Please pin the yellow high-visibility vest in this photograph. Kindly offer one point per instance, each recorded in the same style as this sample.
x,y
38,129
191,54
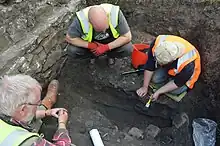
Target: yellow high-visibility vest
x,y
13,135
112,13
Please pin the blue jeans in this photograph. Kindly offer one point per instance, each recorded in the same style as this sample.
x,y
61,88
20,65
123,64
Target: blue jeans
x,y
161,77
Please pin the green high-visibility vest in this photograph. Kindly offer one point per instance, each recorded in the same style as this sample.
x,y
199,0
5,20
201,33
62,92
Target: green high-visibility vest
x,y
13,135
112,13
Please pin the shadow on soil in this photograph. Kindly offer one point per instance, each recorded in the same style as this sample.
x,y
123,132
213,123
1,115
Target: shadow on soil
x,y
81,87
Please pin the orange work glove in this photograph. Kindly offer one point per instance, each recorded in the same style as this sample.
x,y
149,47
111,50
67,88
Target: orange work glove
x,y
92,45
101,49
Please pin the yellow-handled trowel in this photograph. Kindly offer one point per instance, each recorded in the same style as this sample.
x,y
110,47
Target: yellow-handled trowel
x,y
149,101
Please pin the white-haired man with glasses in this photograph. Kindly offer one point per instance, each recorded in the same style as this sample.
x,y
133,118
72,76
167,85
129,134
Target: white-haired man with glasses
x,y
21,109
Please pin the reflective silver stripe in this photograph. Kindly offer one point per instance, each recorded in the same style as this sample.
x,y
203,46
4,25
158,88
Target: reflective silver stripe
x,y
12,137
162,38
185,57
84,21
176,71
114,15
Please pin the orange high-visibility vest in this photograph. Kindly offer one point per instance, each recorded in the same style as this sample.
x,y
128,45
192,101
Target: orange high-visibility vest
x,y
190,54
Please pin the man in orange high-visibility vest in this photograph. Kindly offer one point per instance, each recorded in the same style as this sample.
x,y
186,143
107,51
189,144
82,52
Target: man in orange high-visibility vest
x,y
172,62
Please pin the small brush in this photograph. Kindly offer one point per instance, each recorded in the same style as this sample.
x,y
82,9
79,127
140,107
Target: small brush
x,y
148,103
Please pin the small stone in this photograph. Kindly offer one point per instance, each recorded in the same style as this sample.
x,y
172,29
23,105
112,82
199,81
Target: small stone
x,y
137,133
2,1
118,140
128,137
152,131
115,129
166,140
96,88
124,82
82,130
183,33
180,119
170,29
2,30
89,124
18,1
106,137
4,42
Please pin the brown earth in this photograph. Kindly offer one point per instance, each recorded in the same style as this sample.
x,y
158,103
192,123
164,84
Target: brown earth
x,y
99,97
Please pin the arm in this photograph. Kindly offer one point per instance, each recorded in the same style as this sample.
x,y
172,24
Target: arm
x,y
148,73
149,66
60,138
179,80
50,112
170,86
77,41
122,40
74,34
164,89
40,114
147,78
124,31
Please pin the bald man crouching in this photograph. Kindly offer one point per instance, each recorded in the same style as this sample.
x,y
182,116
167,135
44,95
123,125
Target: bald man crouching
x,y
97,30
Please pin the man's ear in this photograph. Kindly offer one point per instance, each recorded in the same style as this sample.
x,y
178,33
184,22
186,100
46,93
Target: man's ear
x,y
22,110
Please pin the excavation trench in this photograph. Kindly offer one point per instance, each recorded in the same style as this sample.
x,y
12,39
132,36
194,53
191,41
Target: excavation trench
x,y
99,97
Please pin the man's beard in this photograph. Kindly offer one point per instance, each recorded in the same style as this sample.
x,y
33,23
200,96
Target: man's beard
x,y
29,118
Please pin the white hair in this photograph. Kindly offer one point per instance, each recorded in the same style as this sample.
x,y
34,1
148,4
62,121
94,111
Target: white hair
x,y
16,90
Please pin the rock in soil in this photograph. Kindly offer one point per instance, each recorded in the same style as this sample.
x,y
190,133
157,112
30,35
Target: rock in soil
x,y
180,119
137,133
152,131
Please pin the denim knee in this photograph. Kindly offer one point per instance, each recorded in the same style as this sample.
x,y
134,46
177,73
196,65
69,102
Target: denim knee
x,y
179,90
160,76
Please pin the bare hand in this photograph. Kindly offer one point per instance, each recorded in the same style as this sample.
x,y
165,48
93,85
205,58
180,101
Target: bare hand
x,y
54,112
63,116
155,96
142,91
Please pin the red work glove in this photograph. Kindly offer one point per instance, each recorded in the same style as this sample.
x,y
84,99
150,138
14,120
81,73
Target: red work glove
x,y
92,46
101,49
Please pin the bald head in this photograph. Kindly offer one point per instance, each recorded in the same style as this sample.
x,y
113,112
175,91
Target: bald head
x,y
98,18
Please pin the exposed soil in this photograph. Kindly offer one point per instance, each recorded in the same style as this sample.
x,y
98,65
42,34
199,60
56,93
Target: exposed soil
x,y
99,97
